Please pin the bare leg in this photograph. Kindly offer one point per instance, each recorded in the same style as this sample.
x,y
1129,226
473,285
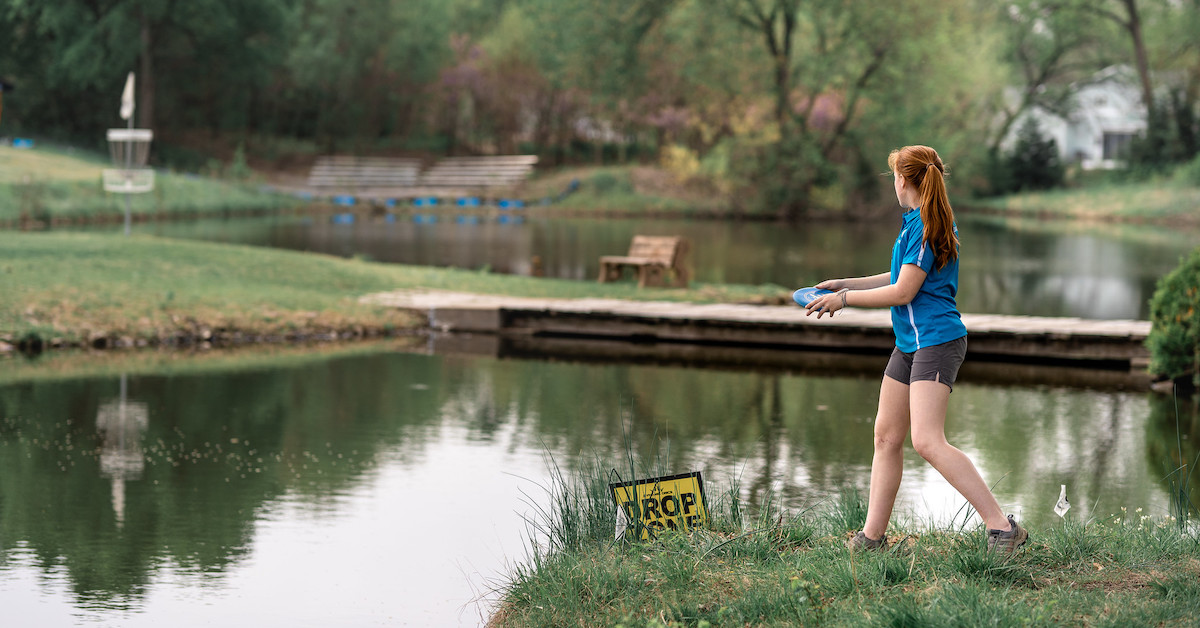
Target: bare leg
x,y
928,411
887,466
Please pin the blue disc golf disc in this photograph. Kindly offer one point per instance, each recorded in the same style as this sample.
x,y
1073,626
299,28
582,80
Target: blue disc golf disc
x,y
804,296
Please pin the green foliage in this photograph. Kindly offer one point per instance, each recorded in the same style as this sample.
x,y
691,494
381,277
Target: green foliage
x,y
606,182
1189,173
1174,340
238,169
1172,136
786,105
1032,164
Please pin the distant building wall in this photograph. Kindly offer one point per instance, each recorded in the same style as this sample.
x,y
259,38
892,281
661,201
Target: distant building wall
x,y
1106,114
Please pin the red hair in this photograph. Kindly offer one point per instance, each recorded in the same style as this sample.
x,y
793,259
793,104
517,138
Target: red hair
x,y
923,169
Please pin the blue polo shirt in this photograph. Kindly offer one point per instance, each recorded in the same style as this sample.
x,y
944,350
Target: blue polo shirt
x,y
932,317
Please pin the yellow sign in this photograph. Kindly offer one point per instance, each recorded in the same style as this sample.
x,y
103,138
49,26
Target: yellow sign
x,y
673,502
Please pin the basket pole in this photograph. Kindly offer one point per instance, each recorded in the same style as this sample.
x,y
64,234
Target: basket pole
x,y
128,167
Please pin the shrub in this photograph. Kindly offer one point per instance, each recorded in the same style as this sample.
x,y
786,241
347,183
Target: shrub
x,y
1034,163
605,182
680,161
1174,340
1189,173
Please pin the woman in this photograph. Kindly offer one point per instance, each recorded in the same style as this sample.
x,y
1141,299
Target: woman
x,y
931,342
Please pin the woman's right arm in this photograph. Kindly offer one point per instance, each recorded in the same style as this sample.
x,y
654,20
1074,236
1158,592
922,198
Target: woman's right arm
x,y
857,283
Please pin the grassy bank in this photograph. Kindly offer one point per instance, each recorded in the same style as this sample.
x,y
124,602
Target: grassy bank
x,y
88,364
791,569
632,190
1172,202
76,289
47,186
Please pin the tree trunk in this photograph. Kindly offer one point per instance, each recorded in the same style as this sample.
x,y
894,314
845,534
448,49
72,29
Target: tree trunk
x,y
145,79
1134,25
782,89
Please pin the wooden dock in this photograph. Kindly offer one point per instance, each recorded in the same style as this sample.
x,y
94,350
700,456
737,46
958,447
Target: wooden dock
x,y
1103,344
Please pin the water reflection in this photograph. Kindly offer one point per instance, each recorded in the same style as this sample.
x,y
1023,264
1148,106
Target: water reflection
x,y
120,424
387,486
1009,267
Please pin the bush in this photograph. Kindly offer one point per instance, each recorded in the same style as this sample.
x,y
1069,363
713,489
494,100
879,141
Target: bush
x,y
1174,340
605,182
1172,136
1034,163
1189,173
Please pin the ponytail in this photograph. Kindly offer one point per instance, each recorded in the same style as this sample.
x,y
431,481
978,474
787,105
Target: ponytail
x,y
923,168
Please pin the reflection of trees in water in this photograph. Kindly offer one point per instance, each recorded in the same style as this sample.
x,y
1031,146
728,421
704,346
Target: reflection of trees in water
x,y
221,446
769,433
1173,441
1062,273
1039,439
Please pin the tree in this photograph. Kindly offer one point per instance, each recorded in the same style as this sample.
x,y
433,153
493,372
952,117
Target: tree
x,y
76,53
1034,163
359,71
1051,48
831,63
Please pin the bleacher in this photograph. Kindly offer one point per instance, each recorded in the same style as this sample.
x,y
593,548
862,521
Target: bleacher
x,y
351,173
348,174
479,172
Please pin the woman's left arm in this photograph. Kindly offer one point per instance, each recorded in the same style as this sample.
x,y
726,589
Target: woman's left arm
x,y
900,293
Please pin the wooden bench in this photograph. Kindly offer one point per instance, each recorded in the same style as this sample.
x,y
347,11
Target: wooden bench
x,y
357,173
652,257
479,172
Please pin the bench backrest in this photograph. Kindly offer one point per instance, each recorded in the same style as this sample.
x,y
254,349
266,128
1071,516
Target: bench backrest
x,y
664,249
363,172
501,170
346,171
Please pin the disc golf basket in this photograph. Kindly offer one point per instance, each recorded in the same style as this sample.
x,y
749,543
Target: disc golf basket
x,y
130,149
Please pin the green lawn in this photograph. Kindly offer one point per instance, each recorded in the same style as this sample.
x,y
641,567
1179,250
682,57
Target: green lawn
x,y
1166,201
49,185
77,287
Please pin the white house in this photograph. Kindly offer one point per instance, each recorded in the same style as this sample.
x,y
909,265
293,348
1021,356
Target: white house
x,y
1106,114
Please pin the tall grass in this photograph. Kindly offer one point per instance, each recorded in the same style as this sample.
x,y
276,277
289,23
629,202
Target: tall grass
x,y
1180,478
766,565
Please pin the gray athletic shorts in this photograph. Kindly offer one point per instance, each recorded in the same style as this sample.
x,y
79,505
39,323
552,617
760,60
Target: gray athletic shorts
x,y
938,363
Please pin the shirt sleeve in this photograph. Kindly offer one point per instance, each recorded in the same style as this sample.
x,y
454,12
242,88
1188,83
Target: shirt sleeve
x,y
916,250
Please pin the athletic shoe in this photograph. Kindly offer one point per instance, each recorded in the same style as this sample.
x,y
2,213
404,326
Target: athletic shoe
x,y
863,542
1007,540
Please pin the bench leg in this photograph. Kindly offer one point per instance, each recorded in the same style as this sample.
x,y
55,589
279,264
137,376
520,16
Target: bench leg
x,y
609,272
650,275
681,278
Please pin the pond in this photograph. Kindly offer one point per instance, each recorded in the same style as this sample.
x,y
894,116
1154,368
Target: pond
x,y
1008,267
385,485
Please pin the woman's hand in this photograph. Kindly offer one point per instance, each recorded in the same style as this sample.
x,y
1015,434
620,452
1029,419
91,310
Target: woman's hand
x,y
833,284
827,304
